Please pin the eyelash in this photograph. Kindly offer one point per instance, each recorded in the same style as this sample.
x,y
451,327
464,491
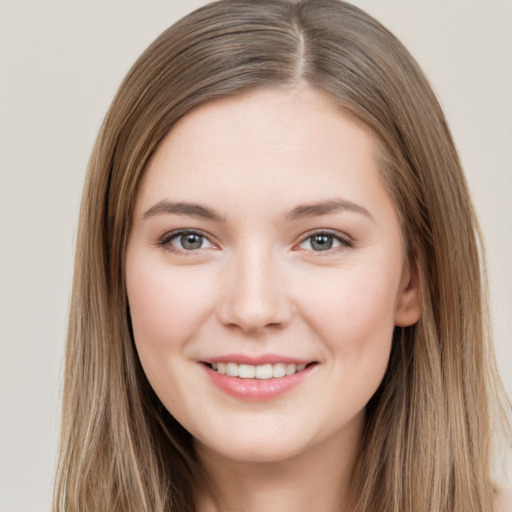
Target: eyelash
x,y
165,241
344,241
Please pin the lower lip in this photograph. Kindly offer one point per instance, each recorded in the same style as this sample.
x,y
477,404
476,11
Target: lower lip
x,y
257,389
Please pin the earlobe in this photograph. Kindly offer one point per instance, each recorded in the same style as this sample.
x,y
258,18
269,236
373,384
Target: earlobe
x,y
408,305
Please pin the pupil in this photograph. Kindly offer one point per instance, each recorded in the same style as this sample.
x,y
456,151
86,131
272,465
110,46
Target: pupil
x,y
322,242
191,241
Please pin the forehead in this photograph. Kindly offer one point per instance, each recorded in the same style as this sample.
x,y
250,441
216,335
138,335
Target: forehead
x,y
280,139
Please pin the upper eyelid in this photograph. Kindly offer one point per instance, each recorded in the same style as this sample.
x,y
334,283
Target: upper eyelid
x,y
170,235
175,232
336,234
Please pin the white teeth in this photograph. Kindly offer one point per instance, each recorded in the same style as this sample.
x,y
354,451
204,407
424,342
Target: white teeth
x,y
247,371
232,369
291,369
263,371
278,370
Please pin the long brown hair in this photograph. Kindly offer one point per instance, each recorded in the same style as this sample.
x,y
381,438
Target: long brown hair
x,y
428,439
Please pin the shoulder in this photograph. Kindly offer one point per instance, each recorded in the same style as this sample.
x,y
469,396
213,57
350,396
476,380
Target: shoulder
x,y
504,501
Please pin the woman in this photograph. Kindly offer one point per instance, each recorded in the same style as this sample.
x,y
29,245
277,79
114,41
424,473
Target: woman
x,y
277,302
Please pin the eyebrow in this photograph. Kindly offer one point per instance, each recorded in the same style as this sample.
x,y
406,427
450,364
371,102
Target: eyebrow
x,y
324,208
182,208
299,212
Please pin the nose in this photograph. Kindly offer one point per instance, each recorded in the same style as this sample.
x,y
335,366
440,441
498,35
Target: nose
x,y
254,296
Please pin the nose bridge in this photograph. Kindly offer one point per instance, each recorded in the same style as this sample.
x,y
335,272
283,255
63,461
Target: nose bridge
x,y
255,296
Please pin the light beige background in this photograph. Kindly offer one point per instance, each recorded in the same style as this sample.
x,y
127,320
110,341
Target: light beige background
x,y
60,64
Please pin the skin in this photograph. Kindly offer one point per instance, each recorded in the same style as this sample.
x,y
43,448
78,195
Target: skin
x,y
257,284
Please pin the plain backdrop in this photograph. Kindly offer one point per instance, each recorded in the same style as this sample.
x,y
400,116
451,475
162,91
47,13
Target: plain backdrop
x,y
60,65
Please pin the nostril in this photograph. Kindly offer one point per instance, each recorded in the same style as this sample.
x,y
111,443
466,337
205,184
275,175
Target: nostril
x,y
254,303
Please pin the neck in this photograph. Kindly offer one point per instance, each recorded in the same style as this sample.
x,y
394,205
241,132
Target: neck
x,y
316,479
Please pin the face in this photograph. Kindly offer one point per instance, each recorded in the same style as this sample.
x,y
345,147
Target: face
x,y
265,274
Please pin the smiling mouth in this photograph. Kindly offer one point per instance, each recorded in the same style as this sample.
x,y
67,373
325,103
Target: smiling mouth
x,y
263,371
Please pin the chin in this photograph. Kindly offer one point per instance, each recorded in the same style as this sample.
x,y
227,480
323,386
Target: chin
x,y
263,444
253,447
252,453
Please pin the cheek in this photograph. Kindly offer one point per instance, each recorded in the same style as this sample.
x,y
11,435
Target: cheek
x,y
354,316
166,305
355,301
361,341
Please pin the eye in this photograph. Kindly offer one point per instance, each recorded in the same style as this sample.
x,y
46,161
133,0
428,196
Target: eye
x,y
185,241
324,241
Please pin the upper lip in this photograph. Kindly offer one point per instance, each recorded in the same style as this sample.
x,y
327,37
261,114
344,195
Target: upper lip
x,y
256,360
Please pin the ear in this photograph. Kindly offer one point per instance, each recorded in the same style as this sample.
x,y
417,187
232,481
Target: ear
x,y
408,304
